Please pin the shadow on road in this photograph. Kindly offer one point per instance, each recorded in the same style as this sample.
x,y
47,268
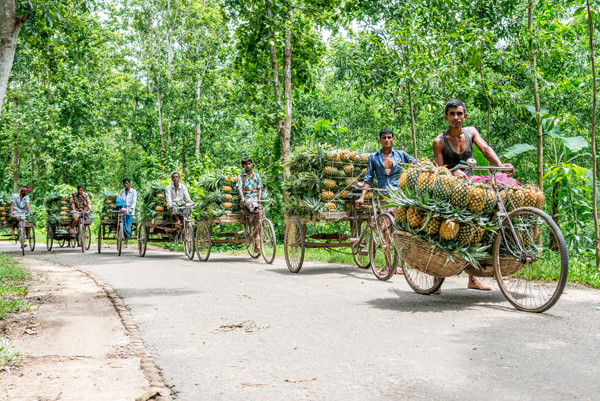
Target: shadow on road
x,y
343,272
154,292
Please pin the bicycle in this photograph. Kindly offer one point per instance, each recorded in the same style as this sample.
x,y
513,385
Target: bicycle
x,y
81,236
524,254
25,231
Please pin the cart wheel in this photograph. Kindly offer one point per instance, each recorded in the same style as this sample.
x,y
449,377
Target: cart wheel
x,y
360,249
382,251
249,237
421,283
538,284
142,239
100,233
188,240
203,242
294,244
81,236
88,237
22,237
31,237
49,238
119,237
61,243
268,241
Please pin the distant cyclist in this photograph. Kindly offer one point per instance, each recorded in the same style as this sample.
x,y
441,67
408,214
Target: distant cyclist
x,y
19,207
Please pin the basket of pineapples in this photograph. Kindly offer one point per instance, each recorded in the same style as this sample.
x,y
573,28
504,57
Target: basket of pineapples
x,y
321,179
220,194
445,224
58,209
4,209
109,202
154,204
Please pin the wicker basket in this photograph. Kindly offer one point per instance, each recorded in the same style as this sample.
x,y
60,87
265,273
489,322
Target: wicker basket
x,y
420,255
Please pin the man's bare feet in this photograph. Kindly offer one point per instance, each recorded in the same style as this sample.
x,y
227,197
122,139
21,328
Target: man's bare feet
x,y
475,284
12,233
399,270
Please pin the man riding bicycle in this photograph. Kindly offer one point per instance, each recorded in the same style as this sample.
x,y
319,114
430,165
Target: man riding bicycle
x,y
128,197
249,186
177,195
19,207
80,201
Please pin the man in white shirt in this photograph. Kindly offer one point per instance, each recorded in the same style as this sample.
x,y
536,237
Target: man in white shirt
x,y
128,196
19,207
177,195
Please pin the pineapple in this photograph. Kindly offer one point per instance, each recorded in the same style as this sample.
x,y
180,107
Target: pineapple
x,y
412,178
432,227
106,218
515,198
327,195
368,195
540,200
490,200
344,194
329,170
64,208
226,188
402,179
425,182
400,214
227,179
444,186
364,157
355,156
159,208
336,158
414,216
329,206
478,198
228,197
449,229
469,234
461,194
329,183
363,171
351,181
160,196
348,168
529,196
331,155
344,154
227,205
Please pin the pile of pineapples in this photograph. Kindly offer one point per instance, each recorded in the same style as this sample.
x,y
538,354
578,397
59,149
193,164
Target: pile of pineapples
x,y
435,205
4,209
58,208
220,193
154,203
109,200
321,178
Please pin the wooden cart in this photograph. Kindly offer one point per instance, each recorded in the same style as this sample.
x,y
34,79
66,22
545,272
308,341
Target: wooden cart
x,y
24,235
204,236
60,232
113,230
167,231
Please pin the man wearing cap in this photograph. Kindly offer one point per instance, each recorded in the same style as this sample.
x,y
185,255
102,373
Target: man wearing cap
x,y
80,201
249,186
128,197
19,207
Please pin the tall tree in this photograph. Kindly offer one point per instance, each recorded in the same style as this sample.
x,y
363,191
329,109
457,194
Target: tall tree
x,y
10,27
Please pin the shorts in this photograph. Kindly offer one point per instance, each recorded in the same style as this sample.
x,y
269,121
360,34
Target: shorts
x,y
251,206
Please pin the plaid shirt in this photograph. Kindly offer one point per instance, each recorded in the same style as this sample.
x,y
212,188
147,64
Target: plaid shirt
x,y
80,201
250,185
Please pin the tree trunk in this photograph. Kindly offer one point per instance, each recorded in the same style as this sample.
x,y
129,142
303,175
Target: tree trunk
x,y
538,108
160,121
412,122
10,26
555,190
594,161
274,67
286,130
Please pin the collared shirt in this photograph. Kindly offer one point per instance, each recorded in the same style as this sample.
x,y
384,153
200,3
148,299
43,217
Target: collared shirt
x,y
177,196
130,199
375,167
20,205
250,185
80,201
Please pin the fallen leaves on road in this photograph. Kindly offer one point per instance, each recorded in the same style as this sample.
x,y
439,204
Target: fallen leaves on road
x,y
300,379
249,326
114,365
253,384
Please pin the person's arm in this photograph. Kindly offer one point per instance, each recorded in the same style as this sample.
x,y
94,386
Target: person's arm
x,y
72,204
239,185
487,151
12,206
168,196
368,181
28,207
259,189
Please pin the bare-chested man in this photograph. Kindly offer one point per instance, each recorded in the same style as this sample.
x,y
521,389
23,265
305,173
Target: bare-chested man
x,y
456,144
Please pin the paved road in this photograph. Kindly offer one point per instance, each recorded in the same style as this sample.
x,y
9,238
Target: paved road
x,y
359,337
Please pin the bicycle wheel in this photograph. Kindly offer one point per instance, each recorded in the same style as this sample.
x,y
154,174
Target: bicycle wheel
x,y
31,237
268,241
203,243
119,237
100,233
188,240
421,283
142,239
538,285
49,238
293,245
61,243
250,243
382,251
88,237
81,237
22,237
360,249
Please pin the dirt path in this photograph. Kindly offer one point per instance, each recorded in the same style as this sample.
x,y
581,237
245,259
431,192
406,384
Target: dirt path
x,y
74,346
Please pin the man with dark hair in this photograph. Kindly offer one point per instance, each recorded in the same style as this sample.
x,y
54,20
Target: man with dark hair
x,y
79,202
249,186
19,207
386,165
128,197
177,195
455,145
